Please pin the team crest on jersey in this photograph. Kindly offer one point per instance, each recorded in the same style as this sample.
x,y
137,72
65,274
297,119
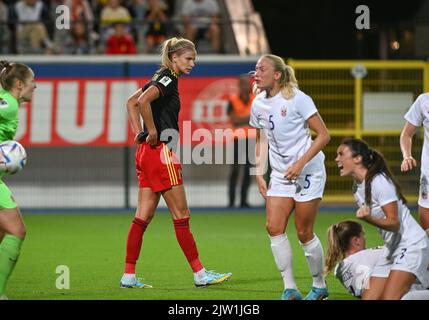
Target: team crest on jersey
x,y
3,104
165,81
283,111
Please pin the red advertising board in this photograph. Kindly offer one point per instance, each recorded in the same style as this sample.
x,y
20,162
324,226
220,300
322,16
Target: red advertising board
x,y
71,112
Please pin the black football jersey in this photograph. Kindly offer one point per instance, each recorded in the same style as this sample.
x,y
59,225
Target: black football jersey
x,y
166,108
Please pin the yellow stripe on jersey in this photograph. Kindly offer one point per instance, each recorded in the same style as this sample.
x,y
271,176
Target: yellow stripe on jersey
x,y
170,167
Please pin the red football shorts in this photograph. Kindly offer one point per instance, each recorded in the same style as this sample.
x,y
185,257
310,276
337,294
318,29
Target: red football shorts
x,y
157,167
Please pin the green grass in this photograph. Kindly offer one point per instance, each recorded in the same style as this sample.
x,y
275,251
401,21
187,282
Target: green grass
x,y
93,247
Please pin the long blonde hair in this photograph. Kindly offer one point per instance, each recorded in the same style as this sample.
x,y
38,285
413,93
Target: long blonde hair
x,y
339,238
287,80
174,45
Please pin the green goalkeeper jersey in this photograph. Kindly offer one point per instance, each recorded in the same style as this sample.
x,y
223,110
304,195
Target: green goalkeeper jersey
x,y
8,115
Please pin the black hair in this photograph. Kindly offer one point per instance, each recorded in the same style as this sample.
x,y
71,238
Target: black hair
x,y
375,162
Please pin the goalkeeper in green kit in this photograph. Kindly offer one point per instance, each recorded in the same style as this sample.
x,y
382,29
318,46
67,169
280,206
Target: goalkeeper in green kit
x,y
16,86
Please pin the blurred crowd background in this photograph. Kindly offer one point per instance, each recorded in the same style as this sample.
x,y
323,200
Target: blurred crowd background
x,y
105,26
298,29
82,89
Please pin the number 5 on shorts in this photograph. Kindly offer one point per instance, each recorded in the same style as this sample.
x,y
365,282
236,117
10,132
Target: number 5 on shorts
x,y
307,180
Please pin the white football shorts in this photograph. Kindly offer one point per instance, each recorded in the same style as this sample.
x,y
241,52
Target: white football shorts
x,y
413,259
308,186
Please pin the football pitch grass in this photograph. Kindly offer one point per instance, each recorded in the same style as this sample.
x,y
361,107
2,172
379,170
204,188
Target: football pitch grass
x,y
92,246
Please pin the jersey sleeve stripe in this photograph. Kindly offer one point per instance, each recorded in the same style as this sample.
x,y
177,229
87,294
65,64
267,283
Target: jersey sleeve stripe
x,y
159,88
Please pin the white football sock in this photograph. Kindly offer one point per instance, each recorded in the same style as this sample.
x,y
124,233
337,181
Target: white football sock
x,y
314,253
198,276
129,276
416,295
282,252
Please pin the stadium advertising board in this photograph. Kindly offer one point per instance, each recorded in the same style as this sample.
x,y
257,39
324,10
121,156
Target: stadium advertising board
x,y
73,111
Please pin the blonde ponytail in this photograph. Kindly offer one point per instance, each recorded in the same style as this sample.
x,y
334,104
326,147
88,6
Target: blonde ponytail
x,y
174,45
289,83
339,241
287,80
334,253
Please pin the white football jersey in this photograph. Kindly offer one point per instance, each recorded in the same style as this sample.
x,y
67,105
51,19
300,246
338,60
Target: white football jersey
x,y
418,115
355,270
383,192
285,122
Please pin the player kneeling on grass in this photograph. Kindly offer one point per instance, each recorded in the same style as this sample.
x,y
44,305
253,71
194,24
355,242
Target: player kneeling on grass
x,y
381,203
158,170
353,263
17,86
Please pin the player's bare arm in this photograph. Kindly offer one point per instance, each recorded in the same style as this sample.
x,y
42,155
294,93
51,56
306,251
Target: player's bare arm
x,y
316,124
389,223
149,95
406,142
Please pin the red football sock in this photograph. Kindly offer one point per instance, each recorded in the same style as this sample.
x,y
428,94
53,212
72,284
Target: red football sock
x,y
187,243
134,244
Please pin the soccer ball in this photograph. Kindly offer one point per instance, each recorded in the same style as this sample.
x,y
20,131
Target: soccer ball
x,y
12,157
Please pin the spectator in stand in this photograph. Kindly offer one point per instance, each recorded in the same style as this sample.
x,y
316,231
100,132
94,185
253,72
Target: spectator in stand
x,y
157,17
31,34
111,14
201,21
80,10
77,40
4,30
139,7
138,10
97,6
120,42
171,6
114,12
